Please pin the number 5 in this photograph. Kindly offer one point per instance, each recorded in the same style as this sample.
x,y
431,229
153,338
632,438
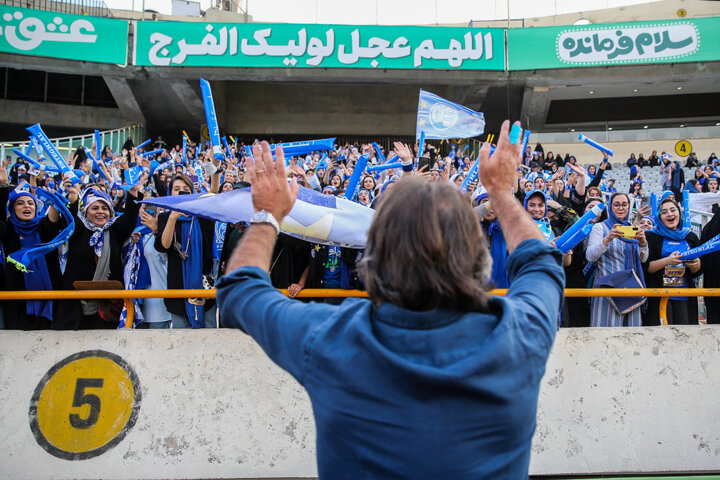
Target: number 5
x,y
81,398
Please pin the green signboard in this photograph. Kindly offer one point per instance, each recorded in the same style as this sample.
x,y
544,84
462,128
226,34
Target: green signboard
x,y
668,41
166,44
58,35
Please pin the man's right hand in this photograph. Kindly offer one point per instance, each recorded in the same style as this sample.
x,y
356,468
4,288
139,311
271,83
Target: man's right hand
x,y
499,172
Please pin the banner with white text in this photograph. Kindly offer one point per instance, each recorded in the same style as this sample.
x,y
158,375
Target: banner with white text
x,y
669,41
167,44
59,35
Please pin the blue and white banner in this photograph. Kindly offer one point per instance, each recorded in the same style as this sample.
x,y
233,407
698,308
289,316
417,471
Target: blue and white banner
x,y
315,217
443,119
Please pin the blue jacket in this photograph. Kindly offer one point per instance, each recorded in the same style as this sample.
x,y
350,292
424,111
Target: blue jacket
x,y
404,394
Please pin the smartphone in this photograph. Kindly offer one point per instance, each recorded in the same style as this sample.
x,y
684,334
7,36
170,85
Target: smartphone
x,y
194,178
150,211
628,231
184,192
424,162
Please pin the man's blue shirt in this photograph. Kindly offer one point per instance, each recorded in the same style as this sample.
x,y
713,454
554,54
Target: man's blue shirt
x,y
404,394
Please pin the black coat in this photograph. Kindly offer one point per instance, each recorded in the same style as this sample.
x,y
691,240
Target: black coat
x,y
82,261
655,280
16,317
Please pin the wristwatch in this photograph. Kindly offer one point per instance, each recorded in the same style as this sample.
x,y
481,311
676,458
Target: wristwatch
x,y
263,216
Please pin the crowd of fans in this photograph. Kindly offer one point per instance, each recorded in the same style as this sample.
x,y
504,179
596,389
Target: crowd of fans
x,y
116,238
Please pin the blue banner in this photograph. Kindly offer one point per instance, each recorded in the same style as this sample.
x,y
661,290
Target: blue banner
x,y
301,148
443,119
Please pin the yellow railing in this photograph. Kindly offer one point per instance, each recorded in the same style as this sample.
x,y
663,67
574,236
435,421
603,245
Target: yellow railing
x,y
128,295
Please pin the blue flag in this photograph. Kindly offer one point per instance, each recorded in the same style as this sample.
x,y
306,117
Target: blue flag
x,y
442,119
315,217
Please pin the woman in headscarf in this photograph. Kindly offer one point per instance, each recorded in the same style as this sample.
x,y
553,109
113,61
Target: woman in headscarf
x,y
188,242
664,269
677,180
578,309
496,240
31,239
611,253
94,254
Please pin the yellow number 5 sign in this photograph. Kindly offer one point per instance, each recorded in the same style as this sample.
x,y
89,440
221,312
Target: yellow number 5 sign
x,y
85,405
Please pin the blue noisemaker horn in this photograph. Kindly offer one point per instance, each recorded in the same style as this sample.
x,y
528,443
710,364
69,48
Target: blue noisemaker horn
x,y
579,230
686,208
211,118
526,137
354,183
653,205
227,147
97,144
52,152
95,164
595,144
379,153
301,148
154,152
32,162
143,144
711,246
421,150
473,173
384,166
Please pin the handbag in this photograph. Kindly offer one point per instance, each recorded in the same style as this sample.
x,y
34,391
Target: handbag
x,y
622,279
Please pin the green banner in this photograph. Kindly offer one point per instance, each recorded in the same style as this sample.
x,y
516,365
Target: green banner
x,y
328,46
670,41
58,35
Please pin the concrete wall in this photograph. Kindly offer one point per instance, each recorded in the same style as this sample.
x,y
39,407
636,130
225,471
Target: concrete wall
x,y
53,114
213,406
272,108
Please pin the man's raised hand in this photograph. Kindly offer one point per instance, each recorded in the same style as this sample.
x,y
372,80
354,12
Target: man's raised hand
x,y
270,189
499,172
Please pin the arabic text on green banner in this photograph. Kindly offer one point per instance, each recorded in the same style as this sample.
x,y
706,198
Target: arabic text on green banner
x,y
331,46
58,35
669,41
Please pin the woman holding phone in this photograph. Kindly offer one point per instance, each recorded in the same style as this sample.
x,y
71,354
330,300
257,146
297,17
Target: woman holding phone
x,y
613,250
664,268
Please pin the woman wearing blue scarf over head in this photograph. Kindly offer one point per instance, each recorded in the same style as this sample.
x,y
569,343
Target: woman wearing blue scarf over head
x,y
188,242
94,254
28,233
665,270
496,240
612,253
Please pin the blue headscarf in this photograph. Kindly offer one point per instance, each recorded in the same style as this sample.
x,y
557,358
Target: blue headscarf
x,y
661,229
535,192
632,247
31,258
192,240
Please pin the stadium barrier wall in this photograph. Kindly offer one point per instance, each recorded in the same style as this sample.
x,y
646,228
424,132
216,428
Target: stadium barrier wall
x,y
210,404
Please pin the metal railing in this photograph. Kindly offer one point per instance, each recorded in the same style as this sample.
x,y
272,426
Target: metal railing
x,y
93,8
66,145
128,295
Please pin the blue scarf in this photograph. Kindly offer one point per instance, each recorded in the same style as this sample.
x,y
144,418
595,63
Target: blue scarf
x,y
192,266
676,183
632,248
660,229
31,258
498,253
